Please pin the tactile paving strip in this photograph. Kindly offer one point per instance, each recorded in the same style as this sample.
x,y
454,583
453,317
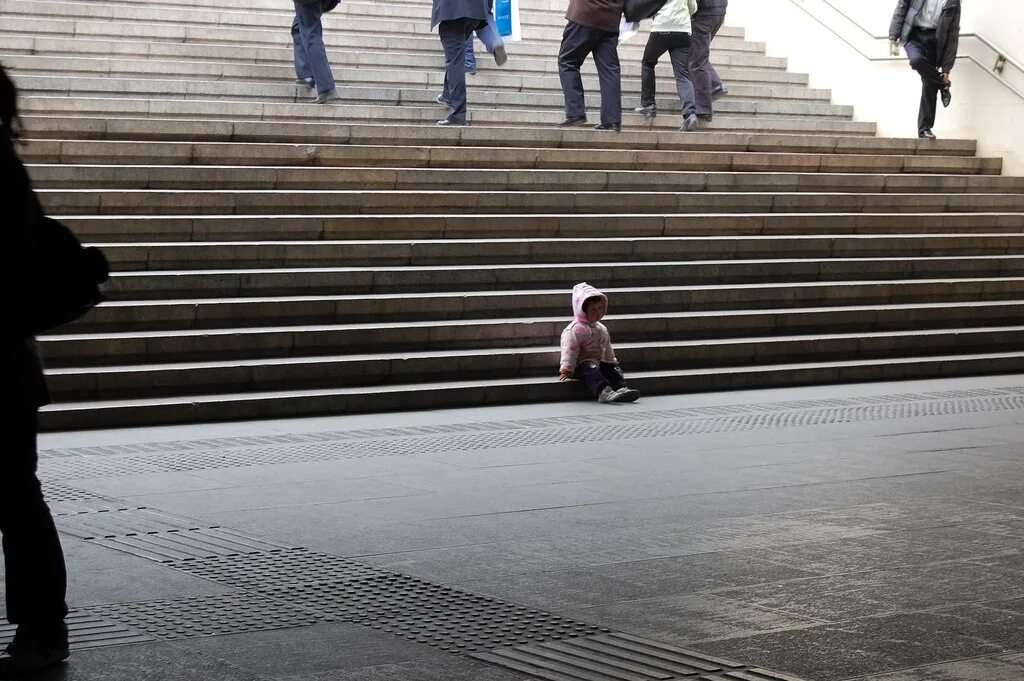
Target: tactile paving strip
x,y
340,590
55,492
620,657
159,536
79,467
182,446
206,615
87,631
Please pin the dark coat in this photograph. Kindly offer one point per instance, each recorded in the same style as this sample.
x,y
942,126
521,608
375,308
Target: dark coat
x,y
711,8
23,381
453,10
947,33
604,15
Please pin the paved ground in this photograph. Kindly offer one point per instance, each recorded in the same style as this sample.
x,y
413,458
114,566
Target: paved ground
x,y
870,531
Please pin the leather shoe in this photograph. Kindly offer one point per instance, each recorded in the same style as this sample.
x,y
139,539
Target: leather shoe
x,y
443,102
325,97
648,111
308,82
608,127
449,123
927,135
704,117
689,123
500,56
946,95
572,120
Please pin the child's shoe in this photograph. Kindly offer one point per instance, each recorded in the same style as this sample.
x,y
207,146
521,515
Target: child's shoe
x,y
607,395
626,395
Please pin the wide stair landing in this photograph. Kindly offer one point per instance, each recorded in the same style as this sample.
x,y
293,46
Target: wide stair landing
x,y
277,258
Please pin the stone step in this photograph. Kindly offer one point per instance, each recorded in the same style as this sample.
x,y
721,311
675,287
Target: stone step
x,y
123,127
360,33
766,118
164,284
248,154
277,178
141,256
743,83
687,338
367,202
243,228
335,401
170,89
210,313
420,364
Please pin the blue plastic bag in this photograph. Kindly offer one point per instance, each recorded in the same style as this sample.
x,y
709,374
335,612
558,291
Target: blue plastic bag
x,y
503,17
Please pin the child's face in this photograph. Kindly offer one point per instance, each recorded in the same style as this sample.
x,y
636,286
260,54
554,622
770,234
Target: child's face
x,y
595,310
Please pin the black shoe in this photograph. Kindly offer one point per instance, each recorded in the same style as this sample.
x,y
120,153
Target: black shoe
x,y
308,82
449,123
706,118
443,102
719,91
573,120
689,123
34,650
500,56
609,127
946,95
927,135
648,111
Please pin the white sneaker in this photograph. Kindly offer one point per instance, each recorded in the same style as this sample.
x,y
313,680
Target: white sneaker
x,y
626,395
607,395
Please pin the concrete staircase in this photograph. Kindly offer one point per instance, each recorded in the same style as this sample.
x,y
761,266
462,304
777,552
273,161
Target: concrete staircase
x,y
277,258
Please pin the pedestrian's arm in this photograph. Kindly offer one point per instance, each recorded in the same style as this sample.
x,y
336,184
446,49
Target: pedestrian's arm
x,y
952,44
898,17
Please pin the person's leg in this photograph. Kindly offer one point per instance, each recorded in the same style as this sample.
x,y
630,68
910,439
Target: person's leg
x,y
714,79
700,71
453,36
302,70
489,35
920,48
612,373
470,56
577,43
312,36
680,54
36,579
656,46
606,58
590,373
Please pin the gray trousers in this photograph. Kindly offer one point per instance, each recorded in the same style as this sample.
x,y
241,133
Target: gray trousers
x,y
454,35
308,43
578,42
702,72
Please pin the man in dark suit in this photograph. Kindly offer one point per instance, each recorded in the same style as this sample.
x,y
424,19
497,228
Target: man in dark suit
x,y
592,28
930,33
311,66
707,85
33,560
456,20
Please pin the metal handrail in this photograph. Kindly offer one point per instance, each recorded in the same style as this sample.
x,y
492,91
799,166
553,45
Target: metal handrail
x,y
1003,56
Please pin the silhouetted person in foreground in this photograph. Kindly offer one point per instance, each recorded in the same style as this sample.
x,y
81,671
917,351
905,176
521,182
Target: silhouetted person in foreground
x,y
36,581
930,33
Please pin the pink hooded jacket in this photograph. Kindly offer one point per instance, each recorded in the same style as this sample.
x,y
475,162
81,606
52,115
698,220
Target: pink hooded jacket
x,y
581,340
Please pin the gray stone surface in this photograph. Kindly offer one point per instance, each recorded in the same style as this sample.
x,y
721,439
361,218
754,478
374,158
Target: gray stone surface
x,y
875,547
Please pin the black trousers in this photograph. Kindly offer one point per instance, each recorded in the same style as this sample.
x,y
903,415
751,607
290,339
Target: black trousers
x,y
36,581
678,47
578,42
703,74
923,50
600,375
453,38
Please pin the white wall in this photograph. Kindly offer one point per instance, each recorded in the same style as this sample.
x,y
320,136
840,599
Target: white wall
x,y
888,92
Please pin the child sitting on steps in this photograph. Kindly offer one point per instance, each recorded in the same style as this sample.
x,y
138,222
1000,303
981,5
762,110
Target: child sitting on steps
x,y
587,352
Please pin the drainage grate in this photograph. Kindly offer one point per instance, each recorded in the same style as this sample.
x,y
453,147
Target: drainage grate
x,y
612,657
184,446
88,631
205,616
341,590
158,536
78,467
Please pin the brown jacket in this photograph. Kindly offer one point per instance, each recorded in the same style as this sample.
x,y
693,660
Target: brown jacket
x,y
603,15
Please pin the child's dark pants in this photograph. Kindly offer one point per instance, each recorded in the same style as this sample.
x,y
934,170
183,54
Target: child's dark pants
x,y
599,376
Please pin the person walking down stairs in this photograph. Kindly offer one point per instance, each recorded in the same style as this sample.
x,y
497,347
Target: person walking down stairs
x,y
670,33
930,33
592,28
492,41
456,20
311,66
707,84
